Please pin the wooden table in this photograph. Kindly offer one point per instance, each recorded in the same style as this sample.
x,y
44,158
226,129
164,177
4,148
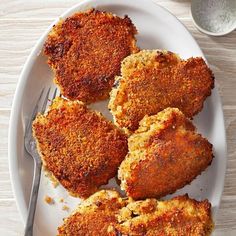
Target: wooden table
x,y
23,22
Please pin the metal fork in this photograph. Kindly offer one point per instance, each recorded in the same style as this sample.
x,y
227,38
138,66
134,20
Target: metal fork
x,y
30,146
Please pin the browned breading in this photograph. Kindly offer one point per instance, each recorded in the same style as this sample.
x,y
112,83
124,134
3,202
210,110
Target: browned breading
x,y
79,147
106,213
165,154
180,216
93,216
154,80
86,50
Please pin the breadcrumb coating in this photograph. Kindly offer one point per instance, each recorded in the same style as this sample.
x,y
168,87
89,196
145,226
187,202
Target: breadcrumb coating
x,y
165,154
106,213
179,216
93,216
85,51
78,146
153,80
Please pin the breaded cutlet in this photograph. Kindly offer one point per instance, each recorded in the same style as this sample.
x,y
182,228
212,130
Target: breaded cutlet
x,y
79,147
93,216
85,51
153,80
180,216
107,214
165,154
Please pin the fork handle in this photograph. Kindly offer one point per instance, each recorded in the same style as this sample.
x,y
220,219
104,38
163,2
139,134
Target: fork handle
x,y
33,198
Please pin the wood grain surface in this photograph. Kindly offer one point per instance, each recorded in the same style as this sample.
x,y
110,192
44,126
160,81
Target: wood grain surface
x,y
23,22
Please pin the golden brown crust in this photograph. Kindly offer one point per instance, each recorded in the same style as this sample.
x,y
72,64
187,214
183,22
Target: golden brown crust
x,y
85,51
179,216
165,154
93,216
105,213
154,80
79,147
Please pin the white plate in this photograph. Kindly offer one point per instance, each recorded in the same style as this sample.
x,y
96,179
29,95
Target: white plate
x,y
157,29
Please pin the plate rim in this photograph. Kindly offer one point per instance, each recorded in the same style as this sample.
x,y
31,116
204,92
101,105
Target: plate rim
x,y
16,105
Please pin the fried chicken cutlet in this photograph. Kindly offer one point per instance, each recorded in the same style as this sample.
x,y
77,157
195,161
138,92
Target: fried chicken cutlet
x,y
165,154
93,216
78,146
106,213
180,216
85,51
153,80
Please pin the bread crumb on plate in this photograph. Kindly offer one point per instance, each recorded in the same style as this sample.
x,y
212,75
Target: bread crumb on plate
x,y
49,200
